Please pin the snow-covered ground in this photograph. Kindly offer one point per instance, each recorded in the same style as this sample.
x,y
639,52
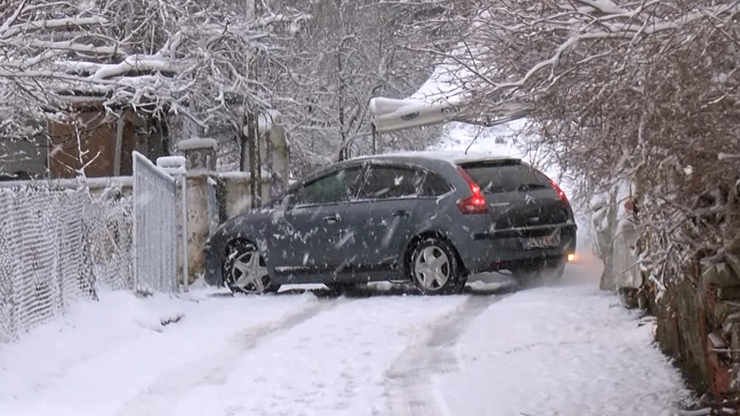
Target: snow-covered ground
x,y
564,350
554,350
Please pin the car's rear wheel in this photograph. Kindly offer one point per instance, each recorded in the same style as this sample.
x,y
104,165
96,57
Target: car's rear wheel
x,y
245,270
549,272
435,268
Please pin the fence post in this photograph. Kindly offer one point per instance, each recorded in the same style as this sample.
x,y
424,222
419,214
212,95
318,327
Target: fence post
x,y
200,162
184,199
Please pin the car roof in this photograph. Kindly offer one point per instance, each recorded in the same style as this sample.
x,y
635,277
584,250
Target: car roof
x,y
450,156
444,156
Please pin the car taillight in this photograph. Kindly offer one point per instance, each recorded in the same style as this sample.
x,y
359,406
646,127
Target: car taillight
x,y
560,192
476,203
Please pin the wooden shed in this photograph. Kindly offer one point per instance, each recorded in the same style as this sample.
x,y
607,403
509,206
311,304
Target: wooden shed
x,y
102,141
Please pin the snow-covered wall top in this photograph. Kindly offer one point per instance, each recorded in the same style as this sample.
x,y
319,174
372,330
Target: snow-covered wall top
x,y
197,143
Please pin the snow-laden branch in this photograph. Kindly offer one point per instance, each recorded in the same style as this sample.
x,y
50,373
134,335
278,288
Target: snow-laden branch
x,y
177,55
644,91
66,23
618,31
13,17
63,46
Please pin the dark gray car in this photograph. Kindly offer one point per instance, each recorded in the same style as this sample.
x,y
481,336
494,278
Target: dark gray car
x,y
430,218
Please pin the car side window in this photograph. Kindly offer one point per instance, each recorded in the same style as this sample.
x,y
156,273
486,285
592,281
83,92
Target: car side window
x,y
434,185
386,182
336,187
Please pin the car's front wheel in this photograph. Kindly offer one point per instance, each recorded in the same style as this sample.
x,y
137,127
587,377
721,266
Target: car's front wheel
x,y
435,269
245,270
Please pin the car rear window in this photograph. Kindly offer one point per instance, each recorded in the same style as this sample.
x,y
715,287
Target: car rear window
x,y
505,176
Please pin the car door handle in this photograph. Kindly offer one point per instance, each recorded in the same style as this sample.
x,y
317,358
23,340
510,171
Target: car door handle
x,y
401,213
331,219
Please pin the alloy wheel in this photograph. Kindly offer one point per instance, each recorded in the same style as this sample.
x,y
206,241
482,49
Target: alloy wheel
x,y
432,268
249,273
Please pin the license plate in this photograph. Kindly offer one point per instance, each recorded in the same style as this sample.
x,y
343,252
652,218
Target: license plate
x,y
552,240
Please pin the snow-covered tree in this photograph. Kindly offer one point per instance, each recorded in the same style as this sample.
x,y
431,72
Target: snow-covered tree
x,y
621,92
349,52
183,58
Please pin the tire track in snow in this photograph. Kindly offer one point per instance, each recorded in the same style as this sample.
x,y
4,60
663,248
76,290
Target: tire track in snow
x,y
161,398
409,385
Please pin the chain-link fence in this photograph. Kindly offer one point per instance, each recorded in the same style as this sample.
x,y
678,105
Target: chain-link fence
x,y
41,260
109,231
56,245
60,242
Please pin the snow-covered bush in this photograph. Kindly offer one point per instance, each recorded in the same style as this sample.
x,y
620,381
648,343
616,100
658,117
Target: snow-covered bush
x,y
637,92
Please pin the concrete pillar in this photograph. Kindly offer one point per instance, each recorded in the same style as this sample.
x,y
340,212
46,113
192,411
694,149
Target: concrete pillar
x,y
279,156
200,154
200,162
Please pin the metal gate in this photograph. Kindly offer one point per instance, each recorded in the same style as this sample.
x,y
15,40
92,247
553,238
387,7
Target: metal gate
x,y
155,228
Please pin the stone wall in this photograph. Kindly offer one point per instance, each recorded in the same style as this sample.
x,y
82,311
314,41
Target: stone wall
x,y
234,197
679,312
697,306
699,328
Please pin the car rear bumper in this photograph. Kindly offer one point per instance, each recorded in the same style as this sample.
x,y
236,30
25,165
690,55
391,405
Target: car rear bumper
x,y
506,249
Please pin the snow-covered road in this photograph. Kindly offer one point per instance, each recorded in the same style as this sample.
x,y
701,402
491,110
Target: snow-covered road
x,y
565,350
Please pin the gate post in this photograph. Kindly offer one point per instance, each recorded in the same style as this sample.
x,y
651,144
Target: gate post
x,y
200,162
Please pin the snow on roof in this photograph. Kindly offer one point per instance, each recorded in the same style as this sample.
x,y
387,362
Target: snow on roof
x,y
434,103
197,143
171,161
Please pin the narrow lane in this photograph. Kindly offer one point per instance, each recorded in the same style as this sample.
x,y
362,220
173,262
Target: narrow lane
x,y
161,397
569,349
332,364
409,380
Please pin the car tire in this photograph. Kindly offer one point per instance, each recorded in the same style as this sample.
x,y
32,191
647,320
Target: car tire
x,y
435,268
245,270
538,275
